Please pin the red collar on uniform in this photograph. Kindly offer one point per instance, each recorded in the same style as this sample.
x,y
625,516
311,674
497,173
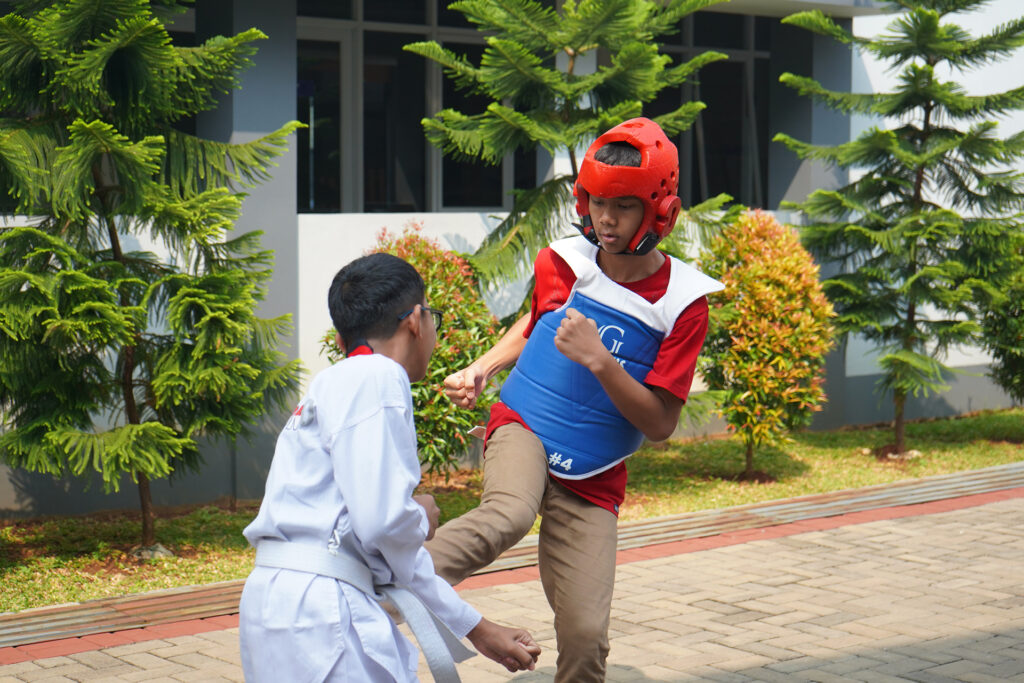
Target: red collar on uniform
x,y
360,350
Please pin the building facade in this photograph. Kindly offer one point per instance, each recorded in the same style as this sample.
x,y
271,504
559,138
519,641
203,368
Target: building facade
x,y
363,164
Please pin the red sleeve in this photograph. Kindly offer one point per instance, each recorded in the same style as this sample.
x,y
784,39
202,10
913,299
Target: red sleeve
x,y
553,281
677,358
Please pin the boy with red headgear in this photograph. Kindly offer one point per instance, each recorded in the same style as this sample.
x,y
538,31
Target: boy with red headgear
x,y
604,359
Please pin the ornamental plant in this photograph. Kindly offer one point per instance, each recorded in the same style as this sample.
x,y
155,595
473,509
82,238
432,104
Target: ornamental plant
x,y
929,234
468,328
1003,327
115,360
529,73
769,332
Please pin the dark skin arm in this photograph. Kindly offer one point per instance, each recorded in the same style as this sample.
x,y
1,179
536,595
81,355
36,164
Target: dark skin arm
x,y
463,387
652,410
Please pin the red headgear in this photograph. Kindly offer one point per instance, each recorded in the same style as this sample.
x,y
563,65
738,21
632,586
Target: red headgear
x,y
654,182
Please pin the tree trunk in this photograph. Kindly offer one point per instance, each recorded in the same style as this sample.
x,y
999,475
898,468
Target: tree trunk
x,y
131,408
750,461
146,503
899,400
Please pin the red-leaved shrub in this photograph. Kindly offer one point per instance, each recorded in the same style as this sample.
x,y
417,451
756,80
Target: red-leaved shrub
x,y
770,330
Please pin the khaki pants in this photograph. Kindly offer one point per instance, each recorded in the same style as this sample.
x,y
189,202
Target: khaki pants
x,y
576,549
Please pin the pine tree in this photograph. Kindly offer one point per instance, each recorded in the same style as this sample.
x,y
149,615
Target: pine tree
x,y
534,103
927,231
114,360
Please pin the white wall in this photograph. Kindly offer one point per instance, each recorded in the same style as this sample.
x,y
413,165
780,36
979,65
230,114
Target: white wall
x,y
870,75
329,241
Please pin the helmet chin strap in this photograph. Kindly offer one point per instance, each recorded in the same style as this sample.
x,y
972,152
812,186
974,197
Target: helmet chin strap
x,y
646,244
586,228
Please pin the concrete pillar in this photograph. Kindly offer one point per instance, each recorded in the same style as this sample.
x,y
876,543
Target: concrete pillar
x,y
264,102
797,51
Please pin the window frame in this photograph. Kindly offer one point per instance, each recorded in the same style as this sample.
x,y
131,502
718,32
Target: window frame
x,y
348,34
753,188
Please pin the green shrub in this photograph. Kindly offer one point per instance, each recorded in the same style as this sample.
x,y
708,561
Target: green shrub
x,y
769,331
468,330
1003,327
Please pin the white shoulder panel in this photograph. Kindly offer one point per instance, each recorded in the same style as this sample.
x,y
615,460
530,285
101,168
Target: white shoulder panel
x,y
686,285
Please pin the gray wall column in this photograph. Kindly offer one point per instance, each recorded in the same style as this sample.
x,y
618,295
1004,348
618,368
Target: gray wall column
x,y
265,102
800,52
797,51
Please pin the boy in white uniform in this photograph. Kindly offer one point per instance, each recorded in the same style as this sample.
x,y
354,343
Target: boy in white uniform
x,y
340,486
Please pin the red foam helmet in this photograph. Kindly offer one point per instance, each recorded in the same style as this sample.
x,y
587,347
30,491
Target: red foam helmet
x,y
654,182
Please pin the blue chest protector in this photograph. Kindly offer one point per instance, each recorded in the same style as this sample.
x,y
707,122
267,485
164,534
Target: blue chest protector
x,y
582,431
586,433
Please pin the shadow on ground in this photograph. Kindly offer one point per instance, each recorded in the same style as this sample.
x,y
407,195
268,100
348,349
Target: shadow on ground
x,y
614,674
981,656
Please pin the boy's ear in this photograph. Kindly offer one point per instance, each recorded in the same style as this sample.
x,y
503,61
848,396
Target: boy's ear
x,y
340,343
415,320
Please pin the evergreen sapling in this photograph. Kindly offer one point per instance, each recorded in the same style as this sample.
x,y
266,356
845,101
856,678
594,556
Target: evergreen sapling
x,y
115,360
928,232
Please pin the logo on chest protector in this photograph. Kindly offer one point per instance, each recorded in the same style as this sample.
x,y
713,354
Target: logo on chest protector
x,y
616,337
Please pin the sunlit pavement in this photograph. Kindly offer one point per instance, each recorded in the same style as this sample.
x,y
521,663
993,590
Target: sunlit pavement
x,y
929,592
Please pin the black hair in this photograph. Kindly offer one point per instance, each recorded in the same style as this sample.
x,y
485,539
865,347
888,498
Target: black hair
x,y
619,154
367,296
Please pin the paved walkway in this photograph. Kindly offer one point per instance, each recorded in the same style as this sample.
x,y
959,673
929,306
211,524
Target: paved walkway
x,y
929,592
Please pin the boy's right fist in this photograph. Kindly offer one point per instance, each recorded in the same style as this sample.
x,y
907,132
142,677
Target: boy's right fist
x,y
463,387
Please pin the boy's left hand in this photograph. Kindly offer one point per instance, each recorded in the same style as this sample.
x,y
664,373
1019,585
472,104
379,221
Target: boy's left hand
x,y
578,339
513,648
426,501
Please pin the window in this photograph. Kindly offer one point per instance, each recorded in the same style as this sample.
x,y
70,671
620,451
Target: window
x,y
319,145
333,9
719,30
364,98
398,11
394,102
468,183
450,17
726,149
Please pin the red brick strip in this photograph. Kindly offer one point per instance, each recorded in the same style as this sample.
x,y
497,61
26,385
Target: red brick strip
x,y
728,538
99,641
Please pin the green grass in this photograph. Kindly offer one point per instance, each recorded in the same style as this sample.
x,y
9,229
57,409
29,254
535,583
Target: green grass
x,y
679,477
70,559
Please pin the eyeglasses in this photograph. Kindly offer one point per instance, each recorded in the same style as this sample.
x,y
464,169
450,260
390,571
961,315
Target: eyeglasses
x,y
434,313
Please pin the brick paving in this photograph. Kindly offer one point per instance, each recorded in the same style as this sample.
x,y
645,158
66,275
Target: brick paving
x,y
924,593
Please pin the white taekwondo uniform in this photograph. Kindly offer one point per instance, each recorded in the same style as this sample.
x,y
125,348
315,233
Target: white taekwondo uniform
x,y
342,478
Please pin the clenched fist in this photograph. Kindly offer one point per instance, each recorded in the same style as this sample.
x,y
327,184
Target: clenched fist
x,y
578,339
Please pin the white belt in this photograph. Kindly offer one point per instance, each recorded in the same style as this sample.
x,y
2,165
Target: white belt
x,y
441,648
